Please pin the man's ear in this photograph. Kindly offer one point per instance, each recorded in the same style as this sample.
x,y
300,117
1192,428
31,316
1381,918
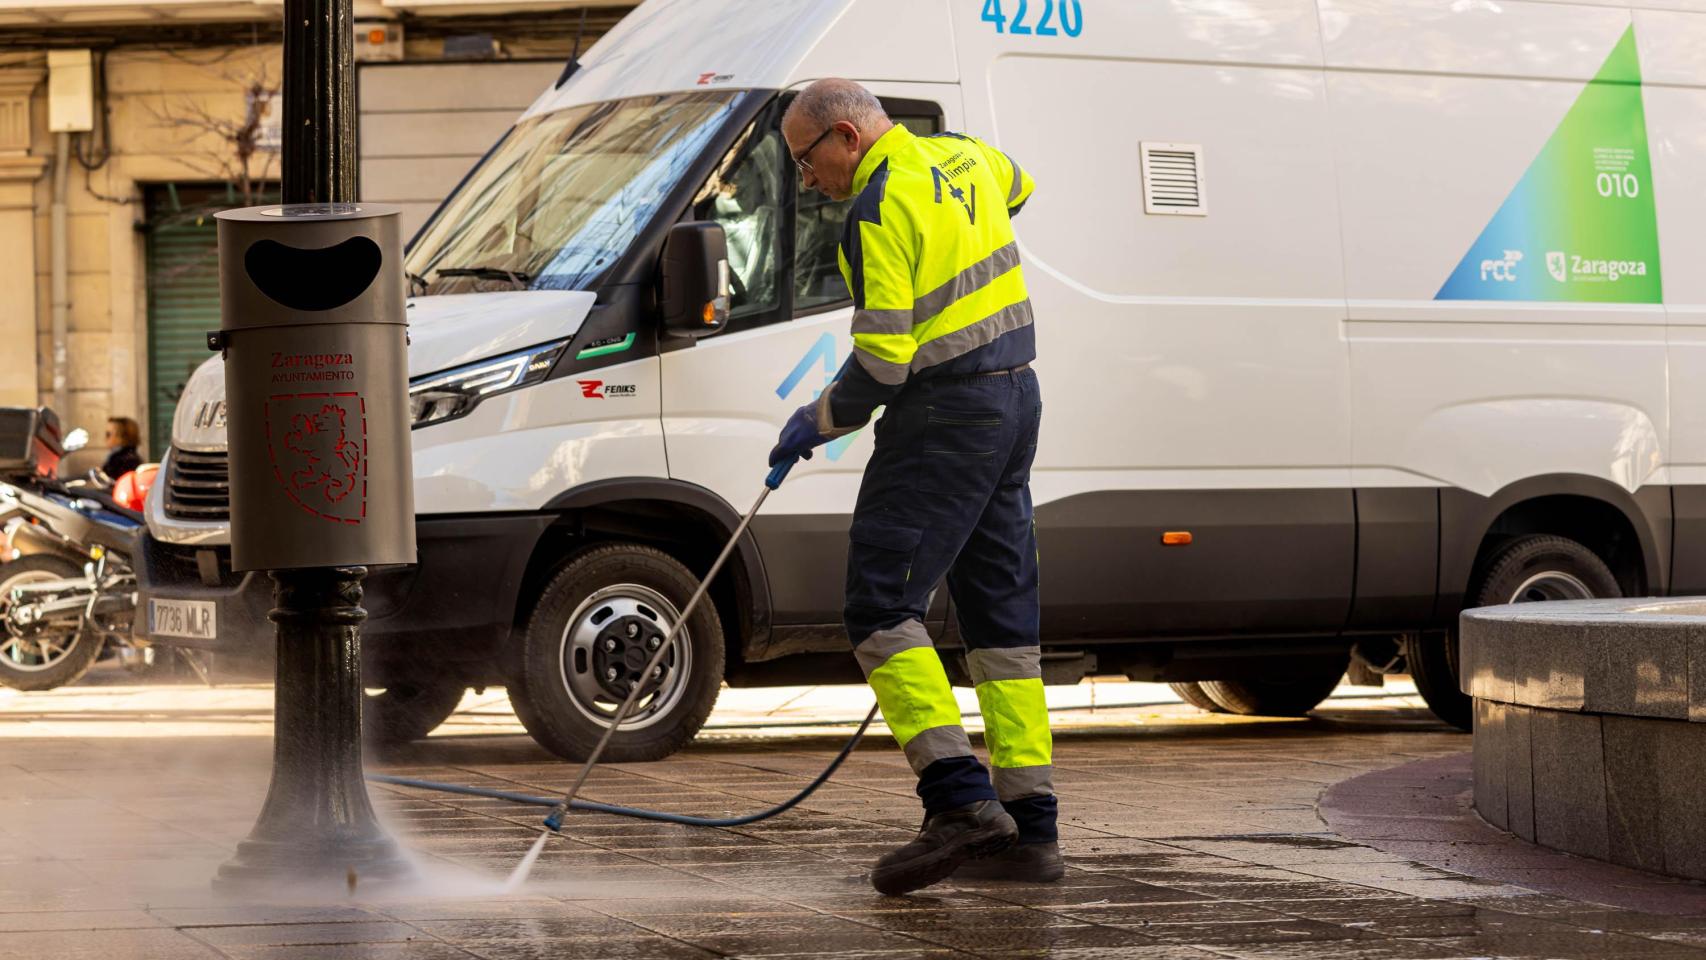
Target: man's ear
x,y
850,131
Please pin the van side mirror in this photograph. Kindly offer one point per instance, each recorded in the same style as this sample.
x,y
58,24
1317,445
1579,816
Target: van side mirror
x,y
695,271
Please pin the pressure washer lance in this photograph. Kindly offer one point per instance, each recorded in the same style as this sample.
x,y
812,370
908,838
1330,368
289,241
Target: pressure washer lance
x,y
554,820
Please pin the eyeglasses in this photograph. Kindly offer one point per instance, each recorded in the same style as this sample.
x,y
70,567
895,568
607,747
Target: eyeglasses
x,y
804,165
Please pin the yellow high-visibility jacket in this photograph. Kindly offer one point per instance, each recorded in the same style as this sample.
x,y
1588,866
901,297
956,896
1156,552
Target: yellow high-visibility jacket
x,y
929,255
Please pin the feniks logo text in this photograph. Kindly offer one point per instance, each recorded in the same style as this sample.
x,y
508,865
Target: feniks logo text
x,y
599,390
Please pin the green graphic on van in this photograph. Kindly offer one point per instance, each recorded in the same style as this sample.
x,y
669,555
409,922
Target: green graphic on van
x,y
605,347
1580,225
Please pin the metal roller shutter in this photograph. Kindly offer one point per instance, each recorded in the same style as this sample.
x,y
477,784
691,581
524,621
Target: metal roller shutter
x,y
183,303
183,292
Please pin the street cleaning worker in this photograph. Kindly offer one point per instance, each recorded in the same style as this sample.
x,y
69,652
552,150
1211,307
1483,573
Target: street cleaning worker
x,y
942,337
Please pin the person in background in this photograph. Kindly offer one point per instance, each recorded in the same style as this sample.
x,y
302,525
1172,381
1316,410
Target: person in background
x,y
123,437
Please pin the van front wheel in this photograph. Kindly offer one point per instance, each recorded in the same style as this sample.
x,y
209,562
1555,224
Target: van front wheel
x,y
596,624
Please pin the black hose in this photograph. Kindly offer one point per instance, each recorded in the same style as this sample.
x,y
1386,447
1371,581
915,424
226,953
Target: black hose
x,y
638,812
657,815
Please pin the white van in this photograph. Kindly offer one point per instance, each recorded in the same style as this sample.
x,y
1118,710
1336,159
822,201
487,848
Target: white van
x,y
1349,315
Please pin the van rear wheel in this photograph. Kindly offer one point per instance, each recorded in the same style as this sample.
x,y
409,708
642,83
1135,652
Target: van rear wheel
x,y
1192,693
1290,695
1527,569
407,710
596,624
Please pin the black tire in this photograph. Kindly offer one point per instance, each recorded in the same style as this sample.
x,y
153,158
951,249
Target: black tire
x,y
1192,693
563,693
408,710
1527,569
1291,695
81,646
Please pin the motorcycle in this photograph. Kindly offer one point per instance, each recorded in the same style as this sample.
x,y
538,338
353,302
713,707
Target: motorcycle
x,y
67,592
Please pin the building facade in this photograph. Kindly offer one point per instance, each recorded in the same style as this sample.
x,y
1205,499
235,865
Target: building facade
x,y
108,271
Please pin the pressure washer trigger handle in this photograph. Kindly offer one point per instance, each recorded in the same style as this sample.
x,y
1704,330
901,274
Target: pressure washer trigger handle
x,y
779,473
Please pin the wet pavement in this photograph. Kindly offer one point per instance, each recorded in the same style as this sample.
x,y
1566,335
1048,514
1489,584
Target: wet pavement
x,y
1189,838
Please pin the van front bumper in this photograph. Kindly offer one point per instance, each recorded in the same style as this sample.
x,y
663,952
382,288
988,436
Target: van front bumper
x,y
456,604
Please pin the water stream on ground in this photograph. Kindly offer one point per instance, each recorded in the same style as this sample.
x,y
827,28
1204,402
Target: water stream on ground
x,y
525,867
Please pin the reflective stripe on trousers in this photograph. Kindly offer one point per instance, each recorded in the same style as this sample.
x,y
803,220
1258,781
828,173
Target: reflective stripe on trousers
x,y
912,689
1015,719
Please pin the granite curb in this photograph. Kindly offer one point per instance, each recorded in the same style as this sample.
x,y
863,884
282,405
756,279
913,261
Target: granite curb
x,y
1423,812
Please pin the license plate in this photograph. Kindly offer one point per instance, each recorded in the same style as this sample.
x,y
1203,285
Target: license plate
x,y
189,619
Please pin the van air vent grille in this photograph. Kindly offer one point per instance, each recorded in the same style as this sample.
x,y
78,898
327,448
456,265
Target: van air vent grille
x,y
1173,179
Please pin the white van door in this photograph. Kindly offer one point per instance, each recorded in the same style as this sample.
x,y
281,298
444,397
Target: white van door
x,y
1182,251
726,397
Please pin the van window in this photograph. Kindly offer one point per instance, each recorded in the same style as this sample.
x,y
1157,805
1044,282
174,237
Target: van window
x,y
565,194
751,196
747,196
818,222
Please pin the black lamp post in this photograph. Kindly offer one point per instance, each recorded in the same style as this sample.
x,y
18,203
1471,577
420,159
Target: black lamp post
x,y
317,823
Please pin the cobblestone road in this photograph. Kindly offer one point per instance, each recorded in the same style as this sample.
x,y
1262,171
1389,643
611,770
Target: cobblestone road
x,y
1189,838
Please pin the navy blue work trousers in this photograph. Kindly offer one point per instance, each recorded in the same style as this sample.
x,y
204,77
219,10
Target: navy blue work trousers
x,y
947,495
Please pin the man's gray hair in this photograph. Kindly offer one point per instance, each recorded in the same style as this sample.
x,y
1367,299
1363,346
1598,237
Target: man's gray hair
x,y
830,101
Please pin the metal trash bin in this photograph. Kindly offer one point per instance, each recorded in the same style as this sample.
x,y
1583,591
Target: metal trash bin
x,y
313,330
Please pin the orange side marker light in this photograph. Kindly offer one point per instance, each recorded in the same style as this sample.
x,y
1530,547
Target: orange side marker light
x,y
1176,538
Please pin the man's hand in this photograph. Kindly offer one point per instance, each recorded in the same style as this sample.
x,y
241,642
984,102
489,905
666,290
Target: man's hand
x,y
799,436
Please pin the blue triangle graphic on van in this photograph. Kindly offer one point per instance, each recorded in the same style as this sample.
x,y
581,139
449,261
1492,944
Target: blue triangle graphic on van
x,y
820,356
1580,225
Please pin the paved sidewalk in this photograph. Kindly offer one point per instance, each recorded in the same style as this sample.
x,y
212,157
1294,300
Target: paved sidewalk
x,y
1190,838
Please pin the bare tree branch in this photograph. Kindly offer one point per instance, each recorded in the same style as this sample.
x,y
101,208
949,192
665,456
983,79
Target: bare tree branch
x,y
240,137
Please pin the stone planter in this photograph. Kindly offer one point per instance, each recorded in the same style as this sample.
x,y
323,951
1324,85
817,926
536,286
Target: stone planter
x,y
1590,727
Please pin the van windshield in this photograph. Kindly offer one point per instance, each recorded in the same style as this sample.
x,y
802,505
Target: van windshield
x,y
559,200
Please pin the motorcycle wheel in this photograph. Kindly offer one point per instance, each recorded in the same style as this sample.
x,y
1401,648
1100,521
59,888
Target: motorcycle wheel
x,y
57,653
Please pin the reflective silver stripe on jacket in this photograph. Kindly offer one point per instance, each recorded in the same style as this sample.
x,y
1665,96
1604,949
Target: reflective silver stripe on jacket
x,y
963,284
969,338
882,371
883,321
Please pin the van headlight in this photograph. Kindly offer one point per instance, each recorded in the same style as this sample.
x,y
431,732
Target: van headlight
x,y
438,397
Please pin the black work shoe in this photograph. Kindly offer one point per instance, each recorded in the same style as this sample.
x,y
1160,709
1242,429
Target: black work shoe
x,y
1021,863
946,841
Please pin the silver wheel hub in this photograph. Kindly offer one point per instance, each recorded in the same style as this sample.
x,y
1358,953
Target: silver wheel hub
x,y
31,643
606,645
1551,585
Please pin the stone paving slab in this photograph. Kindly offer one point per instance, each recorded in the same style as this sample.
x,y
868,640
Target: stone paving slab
x,y
1187,838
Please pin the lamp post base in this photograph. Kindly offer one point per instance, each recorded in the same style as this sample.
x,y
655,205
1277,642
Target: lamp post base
x,y
317,825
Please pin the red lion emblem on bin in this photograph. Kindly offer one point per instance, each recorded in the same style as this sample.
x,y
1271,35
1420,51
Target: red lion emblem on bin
x,y
318,444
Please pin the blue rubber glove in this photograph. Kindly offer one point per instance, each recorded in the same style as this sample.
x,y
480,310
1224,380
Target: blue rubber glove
x,y
799,436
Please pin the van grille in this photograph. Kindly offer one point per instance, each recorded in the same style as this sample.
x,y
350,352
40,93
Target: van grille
x,y
198,486
1173,179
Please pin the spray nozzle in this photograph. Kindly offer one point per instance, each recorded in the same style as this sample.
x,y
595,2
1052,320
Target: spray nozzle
x,y
554,819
